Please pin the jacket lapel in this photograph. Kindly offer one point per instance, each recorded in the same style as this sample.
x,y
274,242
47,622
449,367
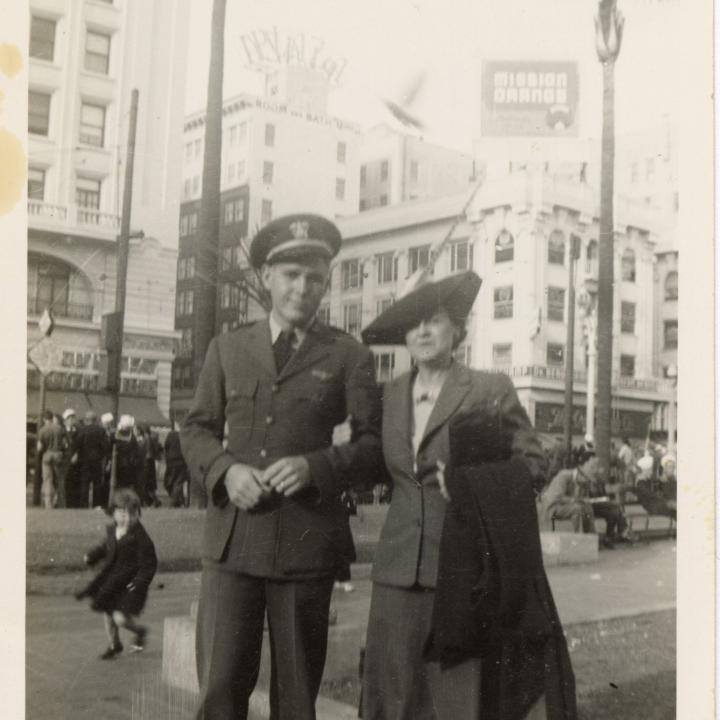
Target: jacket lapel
x,y
314,347
260,346
455,388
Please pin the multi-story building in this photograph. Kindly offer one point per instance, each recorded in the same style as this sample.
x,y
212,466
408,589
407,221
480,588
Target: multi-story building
x,y
397,167
280,154
516,236
85,58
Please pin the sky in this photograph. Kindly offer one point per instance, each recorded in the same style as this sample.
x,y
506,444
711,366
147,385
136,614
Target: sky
x,y
388,43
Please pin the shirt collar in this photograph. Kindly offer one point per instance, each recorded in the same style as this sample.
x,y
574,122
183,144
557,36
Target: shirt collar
x,y
276,328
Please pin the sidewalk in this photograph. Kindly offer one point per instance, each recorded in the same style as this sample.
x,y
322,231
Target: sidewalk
x,y
64,679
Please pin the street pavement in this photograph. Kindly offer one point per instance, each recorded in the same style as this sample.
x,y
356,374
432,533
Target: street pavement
x,y
64,678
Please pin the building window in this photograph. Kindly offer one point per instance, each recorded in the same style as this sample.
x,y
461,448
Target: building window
x,y
418,257
36,184
671,334
671,286
556,248
240,170
323,314
186,343
627,366
198,147
363,175
186,268
363,205
502,355
463,354
341,152
184,303
87,193
196,185
627,265
42,38
339,189
591,258
504,247
242,133
269,135
351,318
556,304
384,366
58,286
383,200
183,225
231,173
351,274
188,151
503,302
233,134
414,171
555,354
384,170
192,223
266,211
267,175
461,256
627,317
38,112
187,188
387,268
239,210
228,213
97,52
382,305
92,125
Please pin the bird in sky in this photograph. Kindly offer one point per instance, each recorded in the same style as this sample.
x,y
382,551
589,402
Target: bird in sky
x,y
401,110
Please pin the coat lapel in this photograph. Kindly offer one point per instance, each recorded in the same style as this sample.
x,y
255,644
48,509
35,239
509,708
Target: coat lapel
x,y
260,346
455,388
398,409
314,347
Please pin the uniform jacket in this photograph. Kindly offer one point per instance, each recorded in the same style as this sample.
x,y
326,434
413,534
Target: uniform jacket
x,y
91,444
408,549
270,416
131,560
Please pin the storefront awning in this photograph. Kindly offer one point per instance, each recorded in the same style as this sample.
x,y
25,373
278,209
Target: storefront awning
x,y
144,409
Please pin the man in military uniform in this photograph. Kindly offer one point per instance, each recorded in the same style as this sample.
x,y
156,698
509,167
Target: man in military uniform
x,y
275,529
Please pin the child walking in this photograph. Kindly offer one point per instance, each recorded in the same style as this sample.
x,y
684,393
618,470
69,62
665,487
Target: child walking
x,y
120,589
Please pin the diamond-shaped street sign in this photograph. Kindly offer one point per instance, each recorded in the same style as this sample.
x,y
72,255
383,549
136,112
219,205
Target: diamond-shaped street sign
x,y
46,323
46,356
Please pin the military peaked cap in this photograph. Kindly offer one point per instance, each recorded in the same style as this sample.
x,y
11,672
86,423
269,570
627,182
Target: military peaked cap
x,y
294,236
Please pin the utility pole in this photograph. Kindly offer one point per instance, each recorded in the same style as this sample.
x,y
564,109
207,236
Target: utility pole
x,y
206,256
116,321
609,24
573,254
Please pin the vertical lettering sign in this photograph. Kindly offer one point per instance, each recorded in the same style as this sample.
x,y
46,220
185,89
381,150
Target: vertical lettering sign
x,y
267,47
529,98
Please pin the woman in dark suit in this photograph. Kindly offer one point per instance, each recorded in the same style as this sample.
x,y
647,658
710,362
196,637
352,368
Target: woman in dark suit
x,y
399,682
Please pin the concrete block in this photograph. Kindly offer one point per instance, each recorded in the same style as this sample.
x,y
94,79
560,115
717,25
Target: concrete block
x,y
178,658
564,548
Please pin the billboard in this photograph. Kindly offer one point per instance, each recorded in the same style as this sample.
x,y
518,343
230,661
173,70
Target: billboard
x,y
529,98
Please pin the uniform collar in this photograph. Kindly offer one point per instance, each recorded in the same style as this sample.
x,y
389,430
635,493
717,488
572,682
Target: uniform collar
x,y
276,328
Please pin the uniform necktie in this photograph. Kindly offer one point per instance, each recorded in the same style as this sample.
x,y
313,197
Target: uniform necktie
x,y
283,349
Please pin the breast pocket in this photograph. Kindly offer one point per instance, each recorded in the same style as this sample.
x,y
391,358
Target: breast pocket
x,y
240,405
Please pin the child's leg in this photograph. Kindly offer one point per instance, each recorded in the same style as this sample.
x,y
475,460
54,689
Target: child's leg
x,y
111,629
129,623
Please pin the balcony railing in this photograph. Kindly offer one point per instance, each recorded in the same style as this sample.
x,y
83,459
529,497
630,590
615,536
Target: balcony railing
x,y
72,216
74,311
544,372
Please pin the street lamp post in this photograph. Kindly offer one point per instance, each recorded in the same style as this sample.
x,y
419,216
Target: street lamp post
x,y
573,254
586,300
608,37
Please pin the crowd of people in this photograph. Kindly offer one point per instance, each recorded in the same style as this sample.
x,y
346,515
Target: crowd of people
x,y
79,460
580,491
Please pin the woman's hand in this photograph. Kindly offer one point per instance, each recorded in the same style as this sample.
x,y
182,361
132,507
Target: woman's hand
x,y
342,433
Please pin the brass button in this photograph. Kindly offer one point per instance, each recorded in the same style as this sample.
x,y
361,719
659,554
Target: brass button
x,y
269,420
263,453
275,388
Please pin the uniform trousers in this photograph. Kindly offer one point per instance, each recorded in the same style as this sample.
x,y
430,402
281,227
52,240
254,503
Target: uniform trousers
x,y
230,635
397,682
